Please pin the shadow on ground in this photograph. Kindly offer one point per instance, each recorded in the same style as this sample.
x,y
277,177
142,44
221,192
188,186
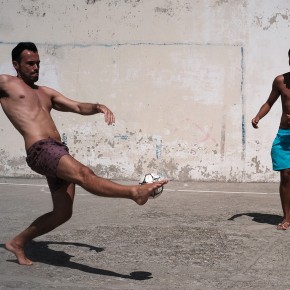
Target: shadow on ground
x,y
262,218
39,251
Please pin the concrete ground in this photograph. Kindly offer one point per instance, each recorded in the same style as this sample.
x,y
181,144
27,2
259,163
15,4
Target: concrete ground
x,y
194,236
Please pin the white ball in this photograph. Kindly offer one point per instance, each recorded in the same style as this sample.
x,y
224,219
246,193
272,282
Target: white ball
x,y
150,178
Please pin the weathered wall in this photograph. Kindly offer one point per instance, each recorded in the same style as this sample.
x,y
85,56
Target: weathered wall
x,y
184,78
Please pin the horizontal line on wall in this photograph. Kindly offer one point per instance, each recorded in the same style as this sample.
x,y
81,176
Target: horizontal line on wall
x,y
24,184
130,44
220,191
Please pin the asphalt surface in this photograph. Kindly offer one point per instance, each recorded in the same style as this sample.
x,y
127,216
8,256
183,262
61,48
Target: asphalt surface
x,y
194,236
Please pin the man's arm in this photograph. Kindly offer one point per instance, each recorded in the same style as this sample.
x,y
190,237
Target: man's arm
x,y
266,107
64,104
3,81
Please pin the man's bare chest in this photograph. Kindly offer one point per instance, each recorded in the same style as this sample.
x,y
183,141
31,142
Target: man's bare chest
x,y
21,95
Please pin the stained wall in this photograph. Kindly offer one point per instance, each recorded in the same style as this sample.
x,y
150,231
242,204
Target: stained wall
x,y
183,77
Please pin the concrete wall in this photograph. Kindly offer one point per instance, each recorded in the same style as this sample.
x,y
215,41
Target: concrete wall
x,y
184,78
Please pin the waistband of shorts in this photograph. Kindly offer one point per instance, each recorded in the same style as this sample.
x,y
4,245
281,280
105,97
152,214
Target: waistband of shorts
x,y
284,132
45,141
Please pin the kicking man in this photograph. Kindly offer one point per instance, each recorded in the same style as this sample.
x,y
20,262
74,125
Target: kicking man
x,y
28,107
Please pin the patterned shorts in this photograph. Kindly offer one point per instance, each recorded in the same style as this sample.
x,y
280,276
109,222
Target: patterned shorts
x,y
43,157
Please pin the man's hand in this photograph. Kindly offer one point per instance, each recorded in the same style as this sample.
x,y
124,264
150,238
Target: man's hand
x,y
255,122
109,116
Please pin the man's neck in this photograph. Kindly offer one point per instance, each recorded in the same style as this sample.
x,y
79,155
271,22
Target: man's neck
x,y
27,82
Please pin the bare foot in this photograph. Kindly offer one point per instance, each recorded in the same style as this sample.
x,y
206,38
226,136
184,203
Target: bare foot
x,y
18,252
142,192
284,225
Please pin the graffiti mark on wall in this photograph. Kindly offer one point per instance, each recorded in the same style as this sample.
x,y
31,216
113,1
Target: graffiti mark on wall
x,y
122,137
205,134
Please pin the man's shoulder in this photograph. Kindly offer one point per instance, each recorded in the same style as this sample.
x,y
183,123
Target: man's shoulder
x,y
282,82
281,78
6,78
45,89
48,91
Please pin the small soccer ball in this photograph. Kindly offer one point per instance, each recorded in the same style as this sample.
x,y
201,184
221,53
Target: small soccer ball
x,y
150,178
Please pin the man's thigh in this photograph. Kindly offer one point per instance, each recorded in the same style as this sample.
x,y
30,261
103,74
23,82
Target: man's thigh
x,y
69,169
63,198
285,175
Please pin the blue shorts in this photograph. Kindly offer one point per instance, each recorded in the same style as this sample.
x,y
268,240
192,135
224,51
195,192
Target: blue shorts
x,y
280,151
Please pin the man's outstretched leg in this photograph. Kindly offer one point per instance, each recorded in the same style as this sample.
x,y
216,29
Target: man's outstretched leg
x,y
73,171
285,199
62,210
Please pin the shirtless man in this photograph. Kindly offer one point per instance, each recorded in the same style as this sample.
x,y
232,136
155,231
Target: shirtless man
x,y
28,108
280,152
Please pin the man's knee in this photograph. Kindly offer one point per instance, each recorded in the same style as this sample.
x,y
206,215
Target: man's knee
x,y
64,215
67,215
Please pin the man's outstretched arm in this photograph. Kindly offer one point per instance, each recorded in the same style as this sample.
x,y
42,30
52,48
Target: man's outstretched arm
x,y
64,104
266,107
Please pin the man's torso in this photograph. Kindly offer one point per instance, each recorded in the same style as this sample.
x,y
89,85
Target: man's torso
x,y
28,109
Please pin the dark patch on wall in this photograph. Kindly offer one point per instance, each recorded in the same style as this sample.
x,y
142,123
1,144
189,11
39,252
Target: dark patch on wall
x,y
114,2
32,10
167,11
171,7
51,50
274,19
221,2
91,1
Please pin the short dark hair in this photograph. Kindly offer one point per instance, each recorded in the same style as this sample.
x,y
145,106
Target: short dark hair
x,y
17,50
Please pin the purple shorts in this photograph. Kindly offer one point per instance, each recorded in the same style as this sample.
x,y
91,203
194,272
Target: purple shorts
x,y
43,157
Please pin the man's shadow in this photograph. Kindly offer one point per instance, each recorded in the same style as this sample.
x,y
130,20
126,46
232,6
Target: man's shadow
x,y
39,251
262,218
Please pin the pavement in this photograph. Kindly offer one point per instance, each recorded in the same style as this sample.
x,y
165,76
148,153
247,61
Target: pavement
x,y
194,236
